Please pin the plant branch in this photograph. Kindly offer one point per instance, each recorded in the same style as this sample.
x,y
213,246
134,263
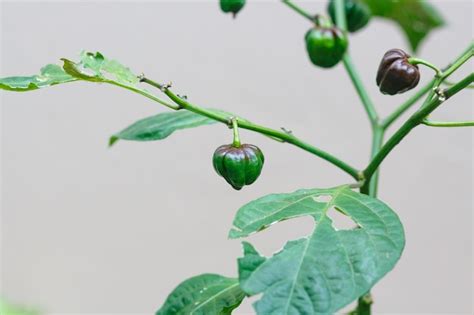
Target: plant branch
x,y
417,61
244,124
432,123
350,68
299,10
361,91
407,105
144,93
430,105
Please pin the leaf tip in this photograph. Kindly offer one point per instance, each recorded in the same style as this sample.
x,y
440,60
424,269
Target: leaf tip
x,y
113,140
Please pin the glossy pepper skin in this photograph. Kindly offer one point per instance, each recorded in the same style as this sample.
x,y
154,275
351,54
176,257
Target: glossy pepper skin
x,y
232,6
395,74
325,45
239,166
358,14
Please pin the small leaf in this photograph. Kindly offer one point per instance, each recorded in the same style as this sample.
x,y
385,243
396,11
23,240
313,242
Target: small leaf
x,y
330,268
160,126
206,294
417,18
50,75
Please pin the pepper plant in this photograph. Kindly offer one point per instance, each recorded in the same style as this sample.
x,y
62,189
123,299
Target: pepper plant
x,y
328,269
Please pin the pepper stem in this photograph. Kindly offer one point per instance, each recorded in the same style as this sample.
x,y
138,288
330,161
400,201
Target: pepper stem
x,y
416,61
235,127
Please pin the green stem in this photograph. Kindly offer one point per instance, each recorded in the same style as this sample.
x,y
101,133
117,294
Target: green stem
x,y
285,137
467,54
449,83
430,105
353,74
407,105
299,10
341,20
377,142
432,123
361,91
144,93
417,61
235,127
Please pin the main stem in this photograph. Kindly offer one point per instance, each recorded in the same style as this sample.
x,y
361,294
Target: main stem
x,y
364,302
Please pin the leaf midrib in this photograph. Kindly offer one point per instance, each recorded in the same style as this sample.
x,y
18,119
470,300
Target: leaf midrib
x,y
213,297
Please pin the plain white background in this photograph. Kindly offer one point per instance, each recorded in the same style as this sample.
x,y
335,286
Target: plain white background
x,y
87,229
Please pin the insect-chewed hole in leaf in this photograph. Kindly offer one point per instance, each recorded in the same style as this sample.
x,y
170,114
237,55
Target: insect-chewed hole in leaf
x,y
274,238
340,221
323,198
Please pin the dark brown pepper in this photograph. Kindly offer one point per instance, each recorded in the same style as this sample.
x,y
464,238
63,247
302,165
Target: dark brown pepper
x,y
396,75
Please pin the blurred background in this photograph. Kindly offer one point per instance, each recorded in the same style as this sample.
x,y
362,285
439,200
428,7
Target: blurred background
x,y
90,230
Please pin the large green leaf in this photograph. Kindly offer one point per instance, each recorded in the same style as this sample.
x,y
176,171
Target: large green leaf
x,y
325,271
417,18
49,75
206,294
160,126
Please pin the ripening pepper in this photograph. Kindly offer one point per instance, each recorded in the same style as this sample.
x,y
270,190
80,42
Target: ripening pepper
x,y
357,14
232,6
325,44
240,165
396,74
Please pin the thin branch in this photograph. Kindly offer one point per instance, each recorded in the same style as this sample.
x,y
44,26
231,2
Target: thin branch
x,y
407,105
433,123
430,105
244,124
351,70
299,10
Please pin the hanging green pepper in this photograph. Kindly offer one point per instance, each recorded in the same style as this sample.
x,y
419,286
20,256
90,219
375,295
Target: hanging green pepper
x,y
233,6
325,44
239,164
396,74
357,14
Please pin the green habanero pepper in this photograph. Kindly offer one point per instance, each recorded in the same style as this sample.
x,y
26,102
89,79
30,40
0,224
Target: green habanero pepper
x,y
239,166
233,6
325,44
358,14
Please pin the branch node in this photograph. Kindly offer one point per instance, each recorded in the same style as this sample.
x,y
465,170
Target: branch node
x,y
166,86
141,77
287,131
440,93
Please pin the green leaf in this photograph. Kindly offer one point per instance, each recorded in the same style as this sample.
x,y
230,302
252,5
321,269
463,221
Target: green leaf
x,y
160,126
206,294
8,309
97,68
417,18
330,268
49,75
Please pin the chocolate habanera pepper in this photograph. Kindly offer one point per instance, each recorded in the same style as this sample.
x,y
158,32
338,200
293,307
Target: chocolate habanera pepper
x,y
396,74
325,43
239,164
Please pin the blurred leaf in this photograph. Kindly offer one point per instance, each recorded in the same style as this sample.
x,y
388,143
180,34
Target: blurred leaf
x,y
9,309
206,294
97,68
160,126
49,75
417,18
330,268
